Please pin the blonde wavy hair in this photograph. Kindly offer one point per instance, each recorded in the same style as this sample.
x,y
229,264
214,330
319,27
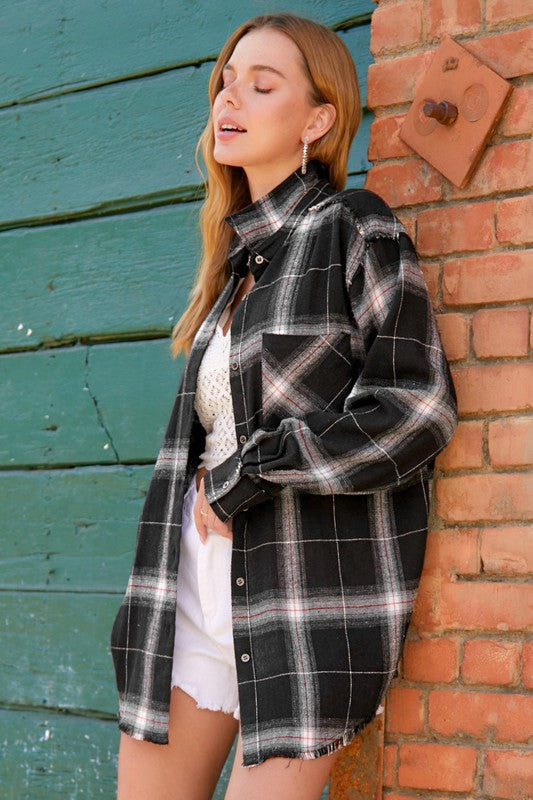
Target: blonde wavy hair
x,y
332,79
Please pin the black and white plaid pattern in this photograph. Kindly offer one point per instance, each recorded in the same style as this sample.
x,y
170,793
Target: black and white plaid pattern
x,y
342,399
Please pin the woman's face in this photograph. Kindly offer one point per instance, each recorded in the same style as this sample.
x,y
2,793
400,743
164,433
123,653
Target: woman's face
x,y
262,113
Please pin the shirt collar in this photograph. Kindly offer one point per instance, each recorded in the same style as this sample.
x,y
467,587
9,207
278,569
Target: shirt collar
x,y
257,223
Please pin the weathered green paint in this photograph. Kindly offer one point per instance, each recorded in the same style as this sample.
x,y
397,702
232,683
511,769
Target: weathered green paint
x,y
130,142
46,755
84,405
55,51
120,275
55,650
70,529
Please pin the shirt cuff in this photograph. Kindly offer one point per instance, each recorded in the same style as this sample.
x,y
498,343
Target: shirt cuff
x,y
228,491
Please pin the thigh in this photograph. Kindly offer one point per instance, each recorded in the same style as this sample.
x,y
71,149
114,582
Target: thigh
x,y
275,778
188,767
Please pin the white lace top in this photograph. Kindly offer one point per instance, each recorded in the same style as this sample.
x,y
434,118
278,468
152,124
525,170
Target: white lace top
x,y
212,401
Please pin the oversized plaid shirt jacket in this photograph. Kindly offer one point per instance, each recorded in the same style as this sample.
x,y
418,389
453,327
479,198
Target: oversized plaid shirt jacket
x,y
342,398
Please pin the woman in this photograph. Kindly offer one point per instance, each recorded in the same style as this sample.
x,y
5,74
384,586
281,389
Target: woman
x,y
282,539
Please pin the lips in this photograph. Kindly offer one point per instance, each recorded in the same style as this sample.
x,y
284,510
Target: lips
x,y
230,125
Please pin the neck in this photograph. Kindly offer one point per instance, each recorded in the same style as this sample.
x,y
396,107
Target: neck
x,y
261,180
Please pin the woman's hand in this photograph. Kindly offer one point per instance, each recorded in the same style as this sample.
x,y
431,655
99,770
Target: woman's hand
x,y
208,520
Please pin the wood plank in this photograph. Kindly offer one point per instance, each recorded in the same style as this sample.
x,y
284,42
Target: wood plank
x,y
50,416
100,149
127,144
44,53
358,159
357,40
55,650
47,755
113,275
118,275
79,527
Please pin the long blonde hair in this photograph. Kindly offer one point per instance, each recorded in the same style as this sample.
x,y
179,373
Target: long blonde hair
x,y
333,79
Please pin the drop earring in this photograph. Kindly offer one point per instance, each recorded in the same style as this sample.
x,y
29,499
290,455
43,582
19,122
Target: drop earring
x,y
305,152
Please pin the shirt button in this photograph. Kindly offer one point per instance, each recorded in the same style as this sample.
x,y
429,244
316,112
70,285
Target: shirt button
x,y
242,438
239,581
234,365
245,657
225,484
259,259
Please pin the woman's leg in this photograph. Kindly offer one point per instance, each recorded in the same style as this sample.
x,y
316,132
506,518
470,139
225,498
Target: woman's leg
x,y
279,778
188,767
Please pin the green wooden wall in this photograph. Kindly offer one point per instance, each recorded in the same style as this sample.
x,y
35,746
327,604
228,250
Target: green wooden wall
x,y
101,105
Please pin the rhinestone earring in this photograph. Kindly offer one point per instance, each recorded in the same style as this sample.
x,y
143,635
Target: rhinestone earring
x,y
305,152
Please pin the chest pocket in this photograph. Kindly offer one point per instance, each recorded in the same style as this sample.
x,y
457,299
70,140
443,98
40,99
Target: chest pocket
x,y
303,373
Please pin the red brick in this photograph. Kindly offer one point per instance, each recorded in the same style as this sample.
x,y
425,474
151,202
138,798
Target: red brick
x,y
506,717
505,167
431,660
490,662
409,223
508,774
396,26
480,606
406,184
448,553
384,139
431,274
437,766
517,117
527,665
395,80
494,387
465,450
405,711
451,551
511,442
494,278
454,331
514,220
390,756
508,54
450,230
490,496
499,332
453,16
402,796
507,551
508,10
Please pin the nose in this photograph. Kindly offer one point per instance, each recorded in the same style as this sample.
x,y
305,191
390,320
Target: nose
x,y
229,94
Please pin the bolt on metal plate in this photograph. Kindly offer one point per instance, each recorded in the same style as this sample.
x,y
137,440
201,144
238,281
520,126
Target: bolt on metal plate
x,y
476,95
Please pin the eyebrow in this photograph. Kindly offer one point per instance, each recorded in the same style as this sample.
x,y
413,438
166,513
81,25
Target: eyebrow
x,y
257,68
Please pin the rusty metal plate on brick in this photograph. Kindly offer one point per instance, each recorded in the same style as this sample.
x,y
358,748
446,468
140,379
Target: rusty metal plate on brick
x,y
457,77
357,771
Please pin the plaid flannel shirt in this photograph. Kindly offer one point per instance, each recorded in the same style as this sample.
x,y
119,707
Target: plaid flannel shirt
x,y
342,398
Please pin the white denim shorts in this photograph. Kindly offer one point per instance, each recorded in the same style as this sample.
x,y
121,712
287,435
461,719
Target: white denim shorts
x,y
204,658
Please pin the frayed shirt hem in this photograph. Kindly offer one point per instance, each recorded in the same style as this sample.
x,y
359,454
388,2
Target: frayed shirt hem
x,y
306,755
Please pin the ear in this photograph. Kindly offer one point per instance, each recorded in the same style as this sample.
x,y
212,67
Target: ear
x,y
322,120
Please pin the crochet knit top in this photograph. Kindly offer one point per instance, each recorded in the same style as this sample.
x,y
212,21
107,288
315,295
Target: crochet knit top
x,y
213,402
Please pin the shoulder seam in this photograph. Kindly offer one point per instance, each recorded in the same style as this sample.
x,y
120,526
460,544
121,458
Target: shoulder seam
x,y
371,225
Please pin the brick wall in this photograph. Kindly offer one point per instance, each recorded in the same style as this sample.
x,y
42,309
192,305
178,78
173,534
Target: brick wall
x,y
460,713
